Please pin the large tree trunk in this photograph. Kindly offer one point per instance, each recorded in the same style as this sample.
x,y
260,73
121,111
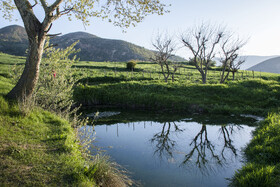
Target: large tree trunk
x,y
36,37
27,82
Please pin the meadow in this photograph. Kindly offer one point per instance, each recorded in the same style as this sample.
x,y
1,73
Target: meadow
x,y
111,84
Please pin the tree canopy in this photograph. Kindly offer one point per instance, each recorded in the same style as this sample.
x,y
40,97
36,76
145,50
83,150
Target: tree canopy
x,y
123,13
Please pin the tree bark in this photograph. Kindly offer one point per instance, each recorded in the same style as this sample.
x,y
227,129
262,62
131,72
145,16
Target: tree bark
x,y
36,37
27,82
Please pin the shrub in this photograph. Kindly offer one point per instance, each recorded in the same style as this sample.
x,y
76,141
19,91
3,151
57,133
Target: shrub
x,y
131,65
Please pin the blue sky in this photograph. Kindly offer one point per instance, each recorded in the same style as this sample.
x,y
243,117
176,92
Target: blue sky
x,y
258,20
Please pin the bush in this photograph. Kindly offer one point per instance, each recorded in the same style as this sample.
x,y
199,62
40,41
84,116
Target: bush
x,y
131,65
54,90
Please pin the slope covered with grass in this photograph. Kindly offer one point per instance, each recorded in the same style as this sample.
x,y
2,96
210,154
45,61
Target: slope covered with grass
x,y
263,156
37,149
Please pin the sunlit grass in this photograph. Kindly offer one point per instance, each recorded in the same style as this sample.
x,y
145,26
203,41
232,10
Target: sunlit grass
x,y
263,156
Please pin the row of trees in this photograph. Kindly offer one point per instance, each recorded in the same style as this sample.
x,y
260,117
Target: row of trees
x,y
205,42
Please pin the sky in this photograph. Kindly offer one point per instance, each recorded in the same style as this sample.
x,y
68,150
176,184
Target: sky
x,y
255,20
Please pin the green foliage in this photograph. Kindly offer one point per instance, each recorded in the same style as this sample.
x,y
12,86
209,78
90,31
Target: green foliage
x,y
120,13
131,65
55,86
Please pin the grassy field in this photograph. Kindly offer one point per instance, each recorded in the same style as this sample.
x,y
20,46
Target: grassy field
x,y
111,84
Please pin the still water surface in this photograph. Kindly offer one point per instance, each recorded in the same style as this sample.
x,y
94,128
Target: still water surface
x,y
185,152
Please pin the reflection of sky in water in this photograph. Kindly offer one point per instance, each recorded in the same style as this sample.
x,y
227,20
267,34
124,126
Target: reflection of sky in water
x,y
175,153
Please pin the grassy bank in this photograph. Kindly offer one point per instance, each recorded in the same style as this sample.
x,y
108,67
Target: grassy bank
x,y
41,149
263,156
38,148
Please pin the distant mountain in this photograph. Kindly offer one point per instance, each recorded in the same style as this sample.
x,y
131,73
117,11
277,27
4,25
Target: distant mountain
x,y
252,60
271,65
13,40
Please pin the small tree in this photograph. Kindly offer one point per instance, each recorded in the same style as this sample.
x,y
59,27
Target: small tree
x,y
54,90
202,41
165,47
230,47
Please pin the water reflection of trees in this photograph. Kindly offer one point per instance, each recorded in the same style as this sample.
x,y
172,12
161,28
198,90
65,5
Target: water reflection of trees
x,y
164,144
203,152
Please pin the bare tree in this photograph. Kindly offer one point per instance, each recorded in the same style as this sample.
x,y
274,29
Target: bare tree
x,y
165,47
230,47
164,145
202,42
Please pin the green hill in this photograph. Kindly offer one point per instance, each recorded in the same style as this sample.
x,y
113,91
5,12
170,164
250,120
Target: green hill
x,y
14,41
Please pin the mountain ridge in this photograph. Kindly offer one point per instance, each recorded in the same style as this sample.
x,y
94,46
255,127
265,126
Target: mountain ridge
x,y
13,40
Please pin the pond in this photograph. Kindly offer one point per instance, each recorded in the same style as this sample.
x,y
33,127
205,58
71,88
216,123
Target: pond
x,y
167,150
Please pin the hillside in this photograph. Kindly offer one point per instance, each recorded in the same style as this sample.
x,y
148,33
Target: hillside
x,y
271,65
14,41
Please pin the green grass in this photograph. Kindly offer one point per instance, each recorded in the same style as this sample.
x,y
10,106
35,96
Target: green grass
x,y
37,149
248,96
263,156
7,62
108,83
